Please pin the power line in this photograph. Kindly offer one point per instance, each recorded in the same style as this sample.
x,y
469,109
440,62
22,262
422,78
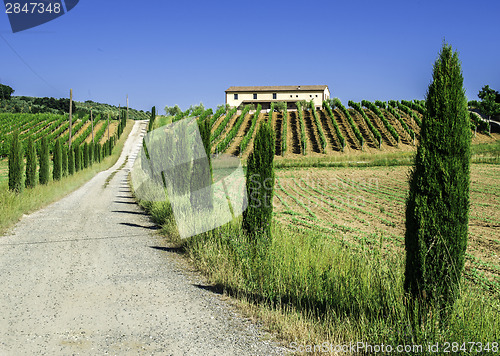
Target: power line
x,y
27,65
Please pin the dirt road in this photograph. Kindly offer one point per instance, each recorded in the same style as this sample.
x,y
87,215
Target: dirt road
x,y
83,276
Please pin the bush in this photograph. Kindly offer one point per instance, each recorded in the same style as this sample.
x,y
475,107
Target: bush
x,y
16,164
31,178
437,208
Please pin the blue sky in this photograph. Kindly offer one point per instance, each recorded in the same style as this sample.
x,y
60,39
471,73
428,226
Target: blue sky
x,y
172,52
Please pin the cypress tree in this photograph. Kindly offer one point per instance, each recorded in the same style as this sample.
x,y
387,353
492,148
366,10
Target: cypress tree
x,y
201,172
71,162
16,164
98,153
44,161
85,155
78,158
152,119
57,161
260,183
437,206
31,178
91,154
64,160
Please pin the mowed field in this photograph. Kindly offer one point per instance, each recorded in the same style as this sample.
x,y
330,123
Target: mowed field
x,y
365,209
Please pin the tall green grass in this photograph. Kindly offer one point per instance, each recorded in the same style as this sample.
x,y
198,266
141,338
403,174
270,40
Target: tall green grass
x,y
349,295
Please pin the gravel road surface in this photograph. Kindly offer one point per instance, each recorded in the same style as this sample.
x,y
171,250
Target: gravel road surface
x,y
88,276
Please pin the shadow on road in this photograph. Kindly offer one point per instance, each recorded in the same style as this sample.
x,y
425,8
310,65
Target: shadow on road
x,y
169,249
129,212
217,289
151,227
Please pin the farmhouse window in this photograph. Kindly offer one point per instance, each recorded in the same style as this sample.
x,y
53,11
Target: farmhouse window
x,y
274,95
255,96
235,96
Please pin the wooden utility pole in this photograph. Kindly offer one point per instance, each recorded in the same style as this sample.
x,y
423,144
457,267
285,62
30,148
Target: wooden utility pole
x,y
92,123
70,113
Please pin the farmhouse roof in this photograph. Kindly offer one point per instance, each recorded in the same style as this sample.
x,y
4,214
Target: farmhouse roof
x,y
276,88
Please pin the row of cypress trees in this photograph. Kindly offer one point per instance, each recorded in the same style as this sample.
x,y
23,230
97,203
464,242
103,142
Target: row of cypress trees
x,y
65,161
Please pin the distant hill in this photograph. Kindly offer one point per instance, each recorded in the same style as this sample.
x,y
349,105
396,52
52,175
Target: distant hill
x,y
33,105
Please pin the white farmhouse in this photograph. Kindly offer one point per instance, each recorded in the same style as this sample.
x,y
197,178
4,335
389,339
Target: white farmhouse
x,y
264,95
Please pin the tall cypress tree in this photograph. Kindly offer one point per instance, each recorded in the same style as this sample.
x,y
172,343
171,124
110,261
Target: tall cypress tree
x,y
71,162
437,207
64,160
16,164
44,161
260,183
85,155
98,153
31,178
152,119
78,158
57,161
91,154
201,171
